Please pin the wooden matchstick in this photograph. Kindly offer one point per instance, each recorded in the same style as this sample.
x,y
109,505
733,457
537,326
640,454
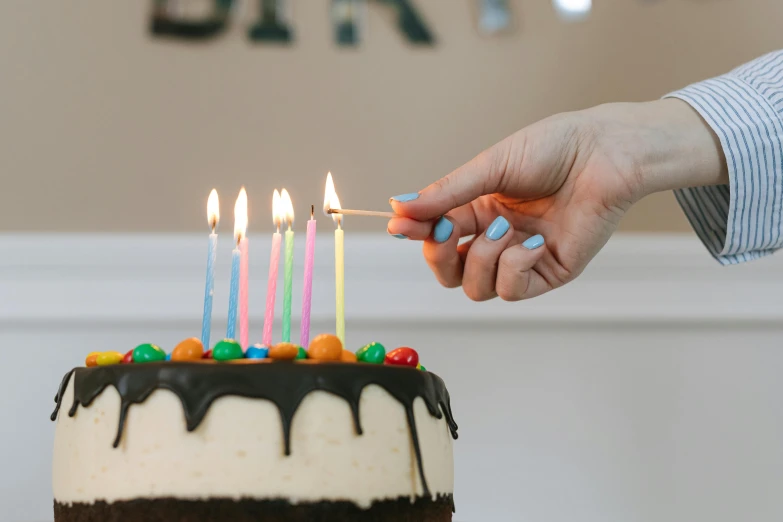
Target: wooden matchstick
x,y
349,212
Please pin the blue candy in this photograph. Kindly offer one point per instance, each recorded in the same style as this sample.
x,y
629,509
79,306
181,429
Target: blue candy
x,y
257,351
168,356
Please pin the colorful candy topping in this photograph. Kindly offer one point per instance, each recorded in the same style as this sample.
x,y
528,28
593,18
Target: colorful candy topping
x,y
283,351
227,350
92,359
325,347
257,351
109,358
188,350
373,353
348,356
146,353
403,356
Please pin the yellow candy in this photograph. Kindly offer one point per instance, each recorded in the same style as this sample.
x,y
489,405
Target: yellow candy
x,y
109,358
418,366
92,359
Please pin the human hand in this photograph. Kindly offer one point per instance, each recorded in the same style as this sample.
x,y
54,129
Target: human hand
x,y
543,202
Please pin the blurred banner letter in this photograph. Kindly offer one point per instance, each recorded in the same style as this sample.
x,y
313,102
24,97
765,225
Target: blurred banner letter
x,y
348,19
167,20
272,25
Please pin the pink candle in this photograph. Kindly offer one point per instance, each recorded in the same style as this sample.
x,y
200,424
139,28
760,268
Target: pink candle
x,y
274,261
304,336
244,334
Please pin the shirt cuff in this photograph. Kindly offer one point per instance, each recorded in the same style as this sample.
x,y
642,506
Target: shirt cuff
x,y
740,221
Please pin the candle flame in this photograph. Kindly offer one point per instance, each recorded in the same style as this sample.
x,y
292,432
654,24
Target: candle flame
x,y
287,208
213,210
331,201
278,212
240,215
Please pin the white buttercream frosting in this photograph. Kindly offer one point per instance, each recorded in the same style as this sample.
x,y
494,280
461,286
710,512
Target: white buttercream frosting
x,y
237,451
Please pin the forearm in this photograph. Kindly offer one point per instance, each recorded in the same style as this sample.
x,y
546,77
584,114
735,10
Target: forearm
x,y
678,149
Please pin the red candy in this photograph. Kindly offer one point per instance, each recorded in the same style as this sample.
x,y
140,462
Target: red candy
x,y
128,357
403,357
207,355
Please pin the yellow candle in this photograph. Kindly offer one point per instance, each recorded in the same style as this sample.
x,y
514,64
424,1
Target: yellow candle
x,y
339,278
331,201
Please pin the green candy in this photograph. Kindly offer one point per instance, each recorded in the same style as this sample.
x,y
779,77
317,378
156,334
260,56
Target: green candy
x,y
301,353
373,353
227,350
422,368
145,353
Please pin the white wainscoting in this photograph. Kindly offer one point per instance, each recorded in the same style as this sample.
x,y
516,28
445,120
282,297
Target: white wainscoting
x,y
650,389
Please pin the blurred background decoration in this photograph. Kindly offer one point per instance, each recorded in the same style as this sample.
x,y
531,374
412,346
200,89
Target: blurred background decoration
x,y
647,390
107,107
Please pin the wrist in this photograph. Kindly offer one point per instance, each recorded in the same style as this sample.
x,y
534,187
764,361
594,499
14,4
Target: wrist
x,y
678,148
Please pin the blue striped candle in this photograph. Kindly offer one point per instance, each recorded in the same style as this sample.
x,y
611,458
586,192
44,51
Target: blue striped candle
x,y
233,298
209,292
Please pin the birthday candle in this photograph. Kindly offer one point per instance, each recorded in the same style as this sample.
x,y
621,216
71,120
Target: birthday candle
x,y
307,294
240,230
331,201
274,260
213,216
244,261
339,278
233,297
289,265
244,252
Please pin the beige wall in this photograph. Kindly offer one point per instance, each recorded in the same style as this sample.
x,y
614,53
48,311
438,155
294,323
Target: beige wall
x,y
104,128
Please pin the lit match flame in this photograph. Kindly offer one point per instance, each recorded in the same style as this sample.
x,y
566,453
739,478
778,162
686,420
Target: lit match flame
x,y
331,201
287,208
240,215
213,210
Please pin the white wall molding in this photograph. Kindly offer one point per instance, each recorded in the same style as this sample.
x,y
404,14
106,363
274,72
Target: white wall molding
x,y
102,279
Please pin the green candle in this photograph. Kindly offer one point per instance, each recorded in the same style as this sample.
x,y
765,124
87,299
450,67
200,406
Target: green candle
x,y
289,267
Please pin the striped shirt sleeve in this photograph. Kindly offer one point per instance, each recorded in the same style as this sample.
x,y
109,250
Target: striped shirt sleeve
x,y
742,220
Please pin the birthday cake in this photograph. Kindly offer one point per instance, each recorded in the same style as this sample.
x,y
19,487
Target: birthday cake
x,y
263,434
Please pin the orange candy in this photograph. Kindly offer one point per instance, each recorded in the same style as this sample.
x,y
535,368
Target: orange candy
x,y
188,350
326,347
283,351
348,356
92,359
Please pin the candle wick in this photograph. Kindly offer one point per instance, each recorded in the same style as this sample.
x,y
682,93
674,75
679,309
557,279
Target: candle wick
x,y
312,211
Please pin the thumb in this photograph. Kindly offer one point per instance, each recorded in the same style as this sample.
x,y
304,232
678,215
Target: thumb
x,y
481,175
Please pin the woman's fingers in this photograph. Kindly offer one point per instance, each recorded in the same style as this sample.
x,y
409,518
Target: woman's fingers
x,y
481,263
482,175
440,252
517,278
406,228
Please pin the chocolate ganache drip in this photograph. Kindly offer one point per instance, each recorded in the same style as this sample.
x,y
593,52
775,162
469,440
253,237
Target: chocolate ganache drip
x,y
284,383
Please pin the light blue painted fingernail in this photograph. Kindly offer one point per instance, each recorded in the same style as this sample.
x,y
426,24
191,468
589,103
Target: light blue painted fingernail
x,y
403,198
497,229
400,236
534,242
442,231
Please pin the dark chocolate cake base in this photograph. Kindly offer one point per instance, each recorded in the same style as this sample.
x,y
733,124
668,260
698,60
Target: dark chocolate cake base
x,y
225,510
